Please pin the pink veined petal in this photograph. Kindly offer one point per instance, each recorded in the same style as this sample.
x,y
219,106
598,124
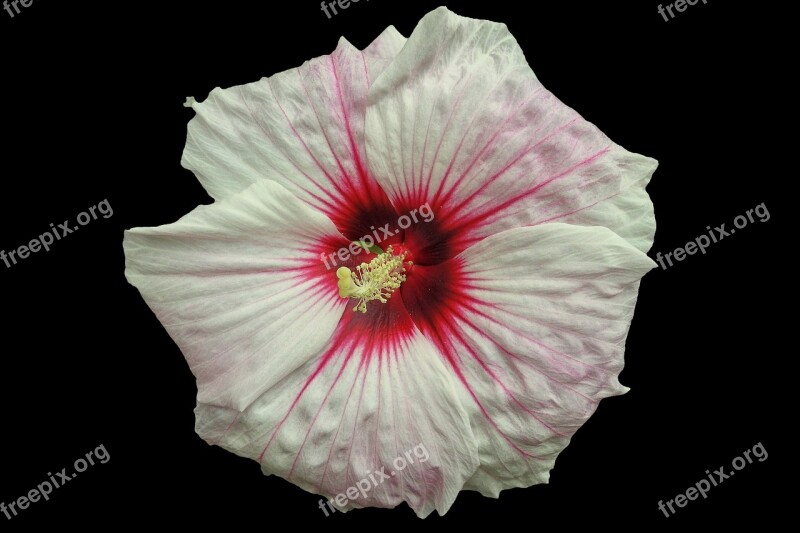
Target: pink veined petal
x,y
629,214
303,128
532,322
460,121
240,288
379,395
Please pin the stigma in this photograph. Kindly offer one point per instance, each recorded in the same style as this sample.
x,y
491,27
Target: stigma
x,y
376,280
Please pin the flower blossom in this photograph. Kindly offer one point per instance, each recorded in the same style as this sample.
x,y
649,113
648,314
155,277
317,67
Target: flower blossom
x,y
485,333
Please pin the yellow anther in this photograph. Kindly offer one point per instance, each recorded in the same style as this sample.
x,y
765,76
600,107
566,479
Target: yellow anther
x,y
376,280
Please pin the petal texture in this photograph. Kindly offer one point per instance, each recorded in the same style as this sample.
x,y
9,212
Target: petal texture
x,y
240,288
375,400
303,128
459,121
532,323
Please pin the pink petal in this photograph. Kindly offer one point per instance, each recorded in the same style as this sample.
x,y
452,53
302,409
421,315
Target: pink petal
x,y
303,128
241,289
377,392
532,323
459,121
629,214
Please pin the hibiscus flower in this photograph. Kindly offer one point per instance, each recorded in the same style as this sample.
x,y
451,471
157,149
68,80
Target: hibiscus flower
x,y
484,335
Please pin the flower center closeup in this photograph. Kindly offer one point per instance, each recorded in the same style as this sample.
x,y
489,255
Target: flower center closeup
x,y
376,280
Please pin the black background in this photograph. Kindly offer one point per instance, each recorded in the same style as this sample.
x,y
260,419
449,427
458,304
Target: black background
x,y
91,107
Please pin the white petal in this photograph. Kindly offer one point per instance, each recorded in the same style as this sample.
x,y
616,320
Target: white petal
x,y
303,128
240,287
371,401
539,338
629,214
382,51
459,121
